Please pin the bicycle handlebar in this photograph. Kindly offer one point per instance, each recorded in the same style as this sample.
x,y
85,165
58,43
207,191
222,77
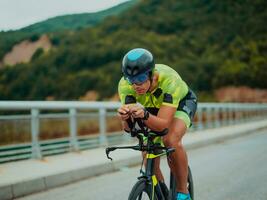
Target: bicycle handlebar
x,y
143,129
137,133
139,148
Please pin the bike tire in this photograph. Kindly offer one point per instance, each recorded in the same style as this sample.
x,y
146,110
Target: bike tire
x,y
172,187
190,185
190,182
139,189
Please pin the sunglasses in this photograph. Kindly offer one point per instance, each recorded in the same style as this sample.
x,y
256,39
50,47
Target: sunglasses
x,y
138,80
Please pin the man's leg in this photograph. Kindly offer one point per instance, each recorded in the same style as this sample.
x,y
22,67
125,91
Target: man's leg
x,y
178,159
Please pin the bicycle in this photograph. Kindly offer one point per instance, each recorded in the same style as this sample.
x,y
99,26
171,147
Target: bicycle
x,y
147,186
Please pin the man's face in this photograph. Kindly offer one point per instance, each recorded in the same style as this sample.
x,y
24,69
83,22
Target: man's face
x,y
142,88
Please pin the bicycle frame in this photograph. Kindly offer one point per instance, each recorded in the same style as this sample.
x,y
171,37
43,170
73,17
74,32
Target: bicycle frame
x,y
151,155
151,177
151,148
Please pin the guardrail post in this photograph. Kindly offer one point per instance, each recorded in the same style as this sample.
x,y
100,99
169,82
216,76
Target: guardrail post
x,y
224,116
246,114
230,115
208,117
258,112
200,119
73,130
217,117
36,152
236,114
102,127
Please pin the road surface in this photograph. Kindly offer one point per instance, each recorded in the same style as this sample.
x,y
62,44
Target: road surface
x,y
230,170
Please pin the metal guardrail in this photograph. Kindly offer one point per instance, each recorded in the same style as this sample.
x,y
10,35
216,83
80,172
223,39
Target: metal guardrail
x,y
208,115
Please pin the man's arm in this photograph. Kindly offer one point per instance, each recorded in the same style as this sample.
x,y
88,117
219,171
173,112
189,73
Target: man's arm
x,y
162,120
159,122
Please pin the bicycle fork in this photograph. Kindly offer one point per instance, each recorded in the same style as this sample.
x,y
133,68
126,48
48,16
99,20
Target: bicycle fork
x,y
155,186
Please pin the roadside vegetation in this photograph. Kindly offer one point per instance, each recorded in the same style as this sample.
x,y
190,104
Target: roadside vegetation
x,y
218,47
212,44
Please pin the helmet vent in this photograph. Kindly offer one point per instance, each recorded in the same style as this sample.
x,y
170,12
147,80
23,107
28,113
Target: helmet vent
x,y
135,71
132,71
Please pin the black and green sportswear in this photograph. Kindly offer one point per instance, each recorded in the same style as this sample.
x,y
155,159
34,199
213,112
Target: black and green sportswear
x,y
169,91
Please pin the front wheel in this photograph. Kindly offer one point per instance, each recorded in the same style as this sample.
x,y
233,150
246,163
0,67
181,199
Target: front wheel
x,y
141,191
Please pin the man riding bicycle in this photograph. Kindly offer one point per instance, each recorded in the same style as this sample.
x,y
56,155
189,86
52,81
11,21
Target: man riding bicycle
x,y
166,102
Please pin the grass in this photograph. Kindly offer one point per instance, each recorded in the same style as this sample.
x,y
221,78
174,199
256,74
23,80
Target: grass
x,y
19,131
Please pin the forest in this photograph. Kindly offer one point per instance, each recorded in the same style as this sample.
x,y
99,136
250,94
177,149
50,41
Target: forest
x,y
211,44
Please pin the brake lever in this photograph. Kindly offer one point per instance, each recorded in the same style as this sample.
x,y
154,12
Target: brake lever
x,y
108,150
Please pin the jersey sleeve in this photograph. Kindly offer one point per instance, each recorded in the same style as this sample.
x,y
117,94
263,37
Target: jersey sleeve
x,y
126,93
174,91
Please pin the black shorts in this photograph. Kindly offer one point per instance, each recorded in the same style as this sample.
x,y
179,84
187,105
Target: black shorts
x,y
189,105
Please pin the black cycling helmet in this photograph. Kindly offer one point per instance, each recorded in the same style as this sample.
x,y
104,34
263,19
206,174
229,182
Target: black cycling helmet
x,y
137,65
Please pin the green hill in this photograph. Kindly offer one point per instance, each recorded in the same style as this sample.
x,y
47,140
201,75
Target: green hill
x,y
58,24
210,43
77,21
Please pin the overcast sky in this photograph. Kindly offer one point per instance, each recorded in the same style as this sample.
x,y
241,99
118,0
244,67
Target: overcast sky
x,y
15,14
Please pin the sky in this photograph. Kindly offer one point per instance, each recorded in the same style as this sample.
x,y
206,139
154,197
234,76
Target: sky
x,y
15,14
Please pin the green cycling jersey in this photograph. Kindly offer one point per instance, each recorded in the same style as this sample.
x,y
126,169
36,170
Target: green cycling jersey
x,y
169,91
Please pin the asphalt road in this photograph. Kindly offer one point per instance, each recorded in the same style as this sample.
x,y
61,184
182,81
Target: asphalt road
x,y
230,170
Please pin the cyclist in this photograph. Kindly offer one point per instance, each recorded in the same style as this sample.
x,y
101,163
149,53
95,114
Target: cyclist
x,y
157,94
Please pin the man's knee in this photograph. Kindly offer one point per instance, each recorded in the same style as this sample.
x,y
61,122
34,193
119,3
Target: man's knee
x,y
171,140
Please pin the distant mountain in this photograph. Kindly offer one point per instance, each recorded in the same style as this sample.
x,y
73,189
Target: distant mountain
x,y
211,44
76,21
58,24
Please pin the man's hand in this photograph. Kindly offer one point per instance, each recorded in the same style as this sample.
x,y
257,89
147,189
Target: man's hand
x,y
137,111
124,112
